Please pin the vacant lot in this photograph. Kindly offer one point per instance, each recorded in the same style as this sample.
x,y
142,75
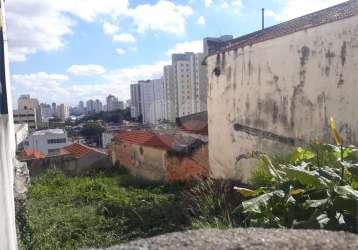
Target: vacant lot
x,y
98,211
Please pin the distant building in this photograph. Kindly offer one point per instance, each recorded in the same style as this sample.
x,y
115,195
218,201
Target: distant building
x,y
90,105
170,93
26,116
191,83
28,110
113,104
63,112
136,102
46,141
54,108
98,106
81,107
46,112
152,100
127,104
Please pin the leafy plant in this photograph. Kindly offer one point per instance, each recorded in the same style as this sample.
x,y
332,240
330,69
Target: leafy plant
x,y
308,192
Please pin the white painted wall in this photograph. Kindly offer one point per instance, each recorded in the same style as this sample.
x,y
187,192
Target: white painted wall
x,y
289,86
7,160
39,141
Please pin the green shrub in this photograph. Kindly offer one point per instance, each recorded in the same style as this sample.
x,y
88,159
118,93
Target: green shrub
x,y
309,192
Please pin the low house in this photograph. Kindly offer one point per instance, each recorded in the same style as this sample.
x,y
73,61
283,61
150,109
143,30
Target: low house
x,y
164,157
75,159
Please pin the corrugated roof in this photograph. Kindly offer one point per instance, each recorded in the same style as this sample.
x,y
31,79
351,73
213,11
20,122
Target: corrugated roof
x,y
332,14
146,138
78,150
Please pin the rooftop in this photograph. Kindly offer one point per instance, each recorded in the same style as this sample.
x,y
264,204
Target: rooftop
x,y
77,150
49,131
29,154
170,142
146,138
332,14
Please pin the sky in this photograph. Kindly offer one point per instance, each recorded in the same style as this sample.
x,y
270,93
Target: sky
x,y
65,51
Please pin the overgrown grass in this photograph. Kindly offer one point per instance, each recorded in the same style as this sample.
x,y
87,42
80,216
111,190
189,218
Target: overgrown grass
x,y
99,211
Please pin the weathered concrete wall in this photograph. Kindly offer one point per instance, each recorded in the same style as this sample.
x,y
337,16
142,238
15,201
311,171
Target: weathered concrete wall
x,y
279,90
183,168
141,161
70,165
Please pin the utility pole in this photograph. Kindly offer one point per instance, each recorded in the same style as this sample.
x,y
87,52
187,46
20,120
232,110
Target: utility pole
x,y
7,146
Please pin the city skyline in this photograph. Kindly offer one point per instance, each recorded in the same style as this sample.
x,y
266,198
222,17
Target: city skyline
x,y
86,51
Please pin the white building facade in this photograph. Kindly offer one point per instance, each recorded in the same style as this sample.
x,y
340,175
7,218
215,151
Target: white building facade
x,y
152,100
47,141
136,101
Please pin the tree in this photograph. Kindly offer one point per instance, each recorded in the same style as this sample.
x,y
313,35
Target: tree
x,y
92,132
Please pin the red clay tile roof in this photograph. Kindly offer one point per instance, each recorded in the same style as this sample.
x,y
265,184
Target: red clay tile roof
x,y
29,154
145,138
332,14
78,150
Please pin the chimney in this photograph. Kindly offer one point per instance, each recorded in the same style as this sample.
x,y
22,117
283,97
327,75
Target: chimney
x,y
263,18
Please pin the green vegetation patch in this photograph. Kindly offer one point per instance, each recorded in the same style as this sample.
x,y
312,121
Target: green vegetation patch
x,y
99,211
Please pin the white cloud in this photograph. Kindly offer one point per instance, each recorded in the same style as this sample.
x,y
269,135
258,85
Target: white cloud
x,y
120,51
163,16
88,10
86,70
33,26
41,25
208,3
110,29
116,82
193,46
125,38
40,85
224,5
201,20
295,8
133,48
237,3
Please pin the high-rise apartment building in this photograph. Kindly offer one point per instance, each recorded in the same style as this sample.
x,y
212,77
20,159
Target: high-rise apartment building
x,y
186,80
46,112
189,79
63,112
98,106
81,107
90,106
152,100
170,93
54,108
113,104
136,102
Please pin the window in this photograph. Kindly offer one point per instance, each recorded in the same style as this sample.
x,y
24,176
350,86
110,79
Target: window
x,y
26,143
56,141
